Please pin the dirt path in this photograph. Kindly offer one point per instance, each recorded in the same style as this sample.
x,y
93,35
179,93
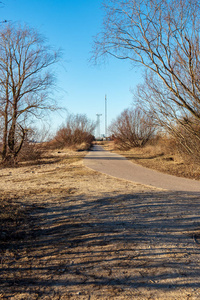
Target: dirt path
x,y
97,237
117,166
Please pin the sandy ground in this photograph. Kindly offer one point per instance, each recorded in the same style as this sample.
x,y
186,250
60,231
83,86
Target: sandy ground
x,y
92,236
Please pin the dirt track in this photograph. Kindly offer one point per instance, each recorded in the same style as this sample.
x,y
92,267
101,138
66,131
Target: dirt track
x,y
98,237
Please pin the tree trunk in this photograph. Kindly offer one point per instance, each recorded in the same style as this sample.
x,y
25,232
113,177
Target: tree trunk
x,y
5,130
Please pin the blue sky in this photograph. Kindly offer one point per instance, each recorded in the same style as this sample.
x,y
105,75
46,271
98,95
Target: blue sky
x,y
71,25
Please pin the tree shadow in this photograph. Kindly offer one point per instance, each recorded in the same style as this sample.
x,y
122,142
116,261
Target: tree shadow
x,y
105,158
132,156
128,241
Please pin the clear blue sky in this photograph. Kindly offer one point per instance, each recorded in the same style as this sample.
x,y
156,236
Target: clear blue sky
x,y
71,25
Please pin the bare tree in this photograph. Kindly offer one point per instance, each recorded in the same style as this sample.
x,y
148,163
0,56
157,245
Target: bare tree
x,y
153,96
162,36
133,128
25,83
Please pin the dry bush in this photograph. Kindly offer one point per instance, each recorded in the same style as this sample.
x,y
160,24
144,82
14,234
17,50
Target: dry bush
x,y
31,152
166,144
76,133
188,139
184,140
172,149
83,147
131,129
33,149
66,137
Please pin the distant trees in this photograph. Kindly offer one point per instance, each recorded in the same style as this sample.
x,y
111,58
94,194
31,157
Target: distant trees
x,y
163,37
78,131
25,84
132,128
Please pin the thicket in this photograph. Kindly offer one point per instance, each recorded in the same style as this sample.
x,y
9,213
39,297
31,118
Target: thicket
x,y
77,133
132,128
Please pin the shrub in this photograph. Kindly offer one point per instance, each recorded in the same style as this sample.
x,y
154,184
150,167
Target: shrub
x,y
78,130
188,138
131,129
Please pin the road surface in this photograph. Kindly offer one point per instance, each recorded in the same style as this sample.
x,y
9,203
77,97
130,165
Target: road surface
x,y
118,166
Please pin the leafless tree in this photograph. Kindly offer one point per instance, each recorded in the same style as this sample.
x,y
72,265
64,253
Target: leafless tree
x,y
132,128
163,37
153,96
25,83
78,129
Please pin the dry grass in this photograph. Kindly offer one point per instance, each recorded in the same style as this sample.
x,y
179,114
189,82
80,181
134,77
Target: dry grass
x,y
29,179
68,232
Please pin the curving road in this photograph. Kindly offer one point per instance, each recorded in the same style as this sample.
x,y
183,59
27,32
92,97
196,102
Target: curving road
x,y
116,165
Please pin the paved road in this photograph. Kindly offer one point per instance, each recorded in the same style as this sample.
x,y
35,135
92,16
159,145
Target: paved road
x,y
116,165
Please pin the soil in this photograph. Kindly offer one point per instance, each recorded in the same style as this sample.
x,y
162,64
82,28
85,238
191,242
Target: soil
x,y
68,232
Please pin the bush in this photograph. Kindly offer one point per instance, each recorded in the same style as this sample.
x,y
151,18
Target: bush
x,y
32,148
30,152
131,129
76,132
188,139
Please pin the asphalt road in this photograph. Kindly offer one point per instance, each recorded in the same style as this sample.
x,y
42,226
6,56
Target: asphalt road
x,y
116,165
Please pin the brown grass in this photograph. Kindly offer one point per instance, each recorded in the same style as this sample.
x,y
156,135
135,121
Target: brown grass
x,y
67,232
42,177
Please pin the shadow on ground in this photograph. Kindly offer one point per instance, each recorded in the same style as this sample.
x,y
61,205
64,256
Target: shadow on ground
x,y
122,244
